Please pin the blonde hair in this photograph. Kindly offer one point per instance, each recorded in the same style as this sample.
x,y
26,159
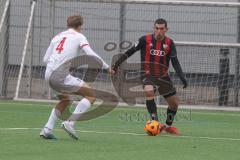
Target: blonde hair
x,y
74,21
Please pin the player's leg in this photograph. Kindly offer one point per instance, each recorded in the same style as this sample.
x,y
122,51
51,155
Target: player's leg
x,y
64,103
172,101
55,113
169,93
78,87
150,102
89,98
172,109
56,82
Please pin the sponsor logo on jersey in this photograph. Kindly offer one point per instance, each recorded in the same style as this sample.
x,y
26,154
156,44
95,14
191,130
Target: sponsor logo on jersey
x,y
157,52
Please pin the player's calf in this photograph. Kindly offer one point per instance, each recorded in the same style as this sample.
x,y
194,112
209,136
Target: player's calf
x,y
150,102
152,109
171,113
64,102
87,92
172,109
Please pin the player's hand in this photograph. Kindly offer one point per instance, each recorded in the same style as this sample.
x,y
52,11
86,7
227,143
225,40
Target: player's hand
x,y
111,71
184,81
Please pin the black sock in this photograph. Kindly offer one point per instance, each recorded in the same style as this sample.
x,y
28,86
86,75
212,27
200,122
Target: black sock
x,y
152,109
170,116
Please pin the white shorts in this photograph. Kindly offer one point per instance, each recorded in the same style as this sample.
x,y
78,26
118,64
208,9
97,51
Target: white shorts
x,y
64,82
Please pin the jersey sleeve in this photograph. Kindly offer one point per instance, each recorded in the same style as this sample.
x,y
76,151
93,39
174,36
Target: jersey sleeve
x,y
84,45
48,53
173,51
140,44
88,50
137,46
83,41
175,62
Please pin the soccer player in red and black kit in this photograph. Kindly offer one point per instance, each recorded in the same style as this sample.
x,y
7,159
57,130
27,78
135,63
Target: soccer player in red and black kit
x,y
155,49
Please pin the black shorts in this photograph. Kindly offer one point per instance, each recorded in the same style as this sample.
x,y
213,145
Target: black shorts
x,y
163,85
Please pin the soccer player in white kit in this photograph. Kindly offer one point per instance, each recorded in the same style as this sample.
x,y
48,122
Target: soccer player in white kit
x,y
64,47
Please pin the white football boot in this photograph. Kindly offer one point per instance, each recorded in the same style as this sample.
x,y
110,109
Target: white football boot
x,y
69,128
46,133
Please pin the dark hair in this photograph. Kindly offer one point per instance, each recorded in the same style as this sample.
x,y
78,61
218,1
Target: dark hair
x,y
74,21
161,21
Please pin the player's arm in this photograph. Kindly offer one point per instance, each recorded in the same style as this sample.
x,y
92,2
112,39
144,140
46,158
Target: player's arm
x,y
176,65
128,53
88,50
48,53
84,45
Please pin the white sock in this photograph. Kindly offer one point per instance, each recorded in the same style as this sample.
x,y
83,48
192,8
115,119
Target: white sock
x,y
52,119
81,107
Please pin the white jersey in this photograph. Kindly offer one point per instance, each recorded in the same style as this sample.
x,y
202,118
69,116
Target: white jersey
x,y
66,46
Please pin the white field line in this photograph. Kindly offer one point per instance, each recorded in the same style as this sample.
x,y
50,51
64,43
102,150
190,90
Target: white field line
x,y
198,107
193,107
133,108
134,134
182,112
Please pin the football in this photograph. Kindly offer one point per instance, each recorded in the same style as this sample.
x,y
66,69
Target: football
x,y
152,128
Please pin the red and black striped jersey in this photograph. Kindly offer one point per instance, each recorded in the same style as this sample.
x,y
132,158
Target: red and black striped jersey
x,y
155,54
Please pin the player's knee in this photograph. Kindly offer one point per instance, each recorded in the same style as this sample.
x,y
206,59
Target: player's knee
x,y
149,94
172,102
174,105
91,99
149,91
65,99
90,95
67,102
